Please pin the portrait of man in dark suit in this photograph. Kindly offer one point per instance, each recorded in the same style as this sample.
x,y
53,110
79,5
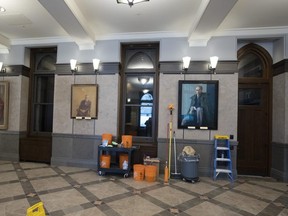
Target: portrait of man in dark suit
x,y
198,106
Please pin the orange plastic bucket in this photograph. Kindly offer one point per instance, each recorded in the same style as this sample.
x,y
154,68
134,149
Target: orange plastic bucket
x,y
139,172
122,158
105,161
127,141
150,173
107,136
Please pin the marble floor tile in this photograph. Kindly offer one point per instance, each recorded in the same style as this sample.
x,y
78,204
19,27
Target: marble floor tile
x,y
49,183
200,188
134,205
76,191
261,192
5,162
6,167
14,208
242,202
31,165
219,182
9,176
66,169
87,212
170,195
106,189
210,209
273,185
85,177
138,184
39,172
62,200
10,190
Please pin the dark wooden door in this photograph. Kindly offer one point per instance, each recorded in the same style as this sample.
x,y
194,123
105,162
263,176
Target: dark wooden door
x,y
35,149
254,110
253,129
36,146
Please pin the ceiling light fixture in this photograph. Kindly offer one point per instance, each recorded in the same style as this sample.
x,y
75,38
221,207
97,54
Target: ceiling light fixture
x,y
130,2
213,63
2,9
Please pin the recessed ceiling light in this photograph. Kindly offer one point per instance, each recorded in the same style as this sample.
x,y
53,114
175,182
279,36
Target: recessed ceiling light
x,y
2,9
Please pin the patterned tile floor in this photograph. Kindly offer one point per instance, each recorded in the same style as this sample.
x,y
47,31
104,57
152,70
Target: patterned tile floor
x,y
82,192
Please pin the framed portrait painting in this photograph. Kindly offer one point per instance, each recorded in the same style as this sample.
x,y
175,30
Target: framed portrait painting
x,y
84,101
4,104
198,104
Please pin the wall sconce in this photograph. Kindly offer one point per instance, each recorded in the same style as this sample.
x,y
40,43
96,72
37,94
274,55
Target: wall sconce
x,y
73,66
213,63
2,70
96,63
130,2
143,80
186,62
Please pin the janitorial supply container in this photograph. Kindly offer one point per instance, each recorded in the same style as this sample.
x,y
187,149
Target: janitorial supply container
x,y
150,173
152,161
122,158
105,161
189,165
138,172
108,137
127,141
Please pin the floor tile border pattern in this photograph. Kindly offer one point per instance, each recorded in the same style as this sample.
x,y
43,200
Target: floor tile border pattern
x,y
32,196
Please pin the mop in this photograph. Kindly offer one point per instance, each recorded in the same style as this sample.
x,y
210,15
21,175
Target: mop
x,y
175,174
169,151
170,107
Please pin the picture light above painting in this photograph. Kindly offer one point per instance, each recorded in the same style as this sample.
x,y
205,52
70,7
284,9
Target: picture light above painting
x,y
198,104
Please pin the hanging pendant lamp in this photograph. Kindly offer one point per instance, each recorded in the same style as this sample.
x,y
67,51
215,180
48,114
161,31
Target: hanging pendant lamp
x,y
130,2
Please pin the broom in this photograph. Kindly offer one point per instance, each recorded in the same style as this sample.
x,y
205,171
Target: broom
x,y
175,175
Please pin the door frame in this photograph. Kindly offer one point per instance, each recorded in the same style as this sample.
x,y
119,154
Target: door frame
x,y
266,79
147,145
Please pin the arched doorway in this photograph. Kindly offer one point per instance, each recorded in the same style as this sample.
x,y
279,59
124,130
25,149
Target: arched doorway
x,y
254,111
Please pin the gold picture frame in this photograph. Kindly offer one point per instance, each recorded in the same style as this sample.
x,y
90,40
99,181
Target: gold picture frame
x,y
4,104
84,101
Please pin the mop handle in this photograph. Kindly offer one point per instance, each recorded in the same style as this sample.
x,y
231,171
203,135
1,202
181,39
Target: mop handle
x,y
170,143
175,163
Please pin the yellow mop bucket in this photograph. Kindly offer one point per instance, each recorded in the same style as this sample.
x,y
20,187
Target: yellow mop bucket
x,y
36,210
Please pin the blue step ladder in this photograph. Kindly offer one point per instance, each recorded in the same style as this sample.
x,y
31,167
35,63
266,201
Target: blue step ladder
x,y
222,157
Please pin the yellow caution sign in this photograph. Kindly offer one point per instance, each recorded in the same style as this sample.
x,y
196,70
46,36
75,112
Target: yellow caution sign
x,y
36,210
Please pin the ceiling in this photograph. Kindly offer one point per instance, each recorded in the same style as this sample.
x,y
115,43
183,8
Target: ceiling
x,y
44,22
